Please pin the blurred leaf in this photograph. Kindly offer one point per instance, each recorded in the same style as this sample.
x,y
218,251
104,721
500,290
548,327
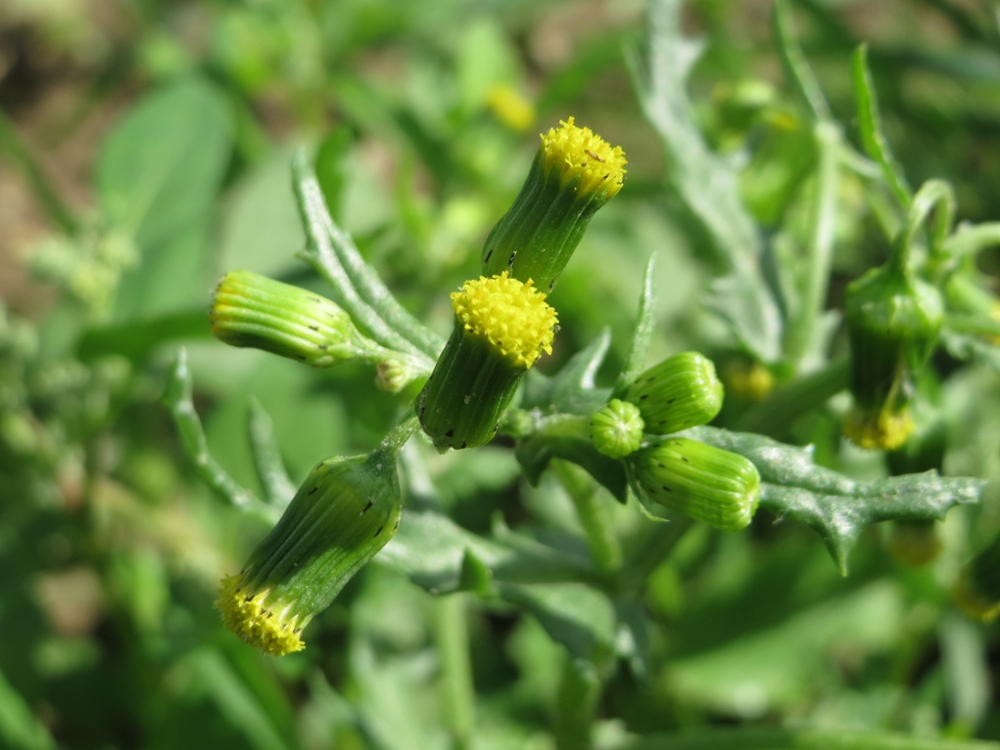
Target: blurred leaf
x,y
157,177
20,729
136,340
431,549
213,675
965,346
966,670
836,506
261,230
796,66
572,389
761,672
707,184
577,616
278,488
870,127
635,360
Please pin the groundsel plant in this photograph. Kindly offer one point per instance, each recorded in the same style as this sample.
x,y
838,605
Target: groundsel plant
x,y
645,438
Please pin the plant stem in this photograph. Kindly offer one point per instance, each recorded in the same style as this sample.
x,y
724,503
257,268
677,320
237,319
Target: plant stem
x,y
969,240
934,195
801,326
576,703
797,739
10,142
278,488
458,695
177,397
605,549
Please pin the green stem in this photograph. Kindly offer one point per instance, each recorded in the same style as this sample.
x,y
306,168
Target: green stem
x,y
934,195
800,328
457,690
595,515
10,142
177,397
576,704
797,739
278,488
796,66
791,400
335,246
969,240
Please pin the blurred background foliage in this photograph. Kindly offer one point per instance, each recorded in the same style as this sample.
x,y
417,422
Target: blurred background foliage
x,y
145,150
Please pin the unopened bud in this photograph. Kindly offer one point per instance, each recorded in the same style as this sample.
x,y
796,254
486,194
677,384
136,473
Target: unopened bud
x,y
682,391
708,484
616,429
345,512
250,310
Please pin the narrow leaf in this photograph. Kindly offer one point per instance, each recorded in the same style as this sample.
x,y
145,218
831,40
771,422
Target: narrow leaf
x,y
267,457
635,361
796,65
572,390
870,126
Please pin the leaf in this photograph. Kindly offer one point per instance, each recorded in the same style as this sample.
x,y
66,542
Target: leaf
x,y
835,506
635,361
870,127
707,184
278,488
572,389
796,66
965,345
567,436
575,615
138,339
157,178
433,551
20,729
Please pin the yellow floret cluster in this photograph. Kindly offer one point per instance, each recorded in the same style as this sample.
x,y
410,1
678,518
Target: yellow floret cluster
x,y
256,622
512,315
882,431
579,153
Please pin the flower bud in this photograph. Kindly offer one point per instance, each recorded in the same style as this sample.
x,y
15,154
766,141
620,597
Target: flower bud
x,y
893,320
345,512
747,379
501,328
711,485
616,429
251,310
682,391
574,173
978,588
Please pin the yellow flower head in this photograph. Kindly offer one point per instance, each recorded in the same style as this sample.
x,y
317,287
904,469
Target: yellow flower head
x,y
580,154
511,315
257,621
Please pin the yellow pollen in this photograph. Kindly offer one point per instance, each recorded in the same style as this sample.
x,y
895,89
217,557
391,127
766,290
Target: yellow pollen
x,y
257,622
511,315
579,153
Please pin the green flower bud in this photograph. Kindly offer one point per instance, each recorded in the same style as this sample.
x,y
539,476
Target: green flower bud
x,y
574,173
345,512
708,484
501,328
978,588
250,310
682,391
616,428
893,321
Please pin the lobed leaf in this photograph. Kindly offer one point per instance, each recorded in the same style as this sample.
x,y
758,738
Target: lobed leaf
x,y
837,507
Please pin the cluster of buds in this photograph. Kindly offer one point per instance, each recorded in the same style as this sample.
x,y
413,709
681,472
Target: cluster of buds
x,y
708,484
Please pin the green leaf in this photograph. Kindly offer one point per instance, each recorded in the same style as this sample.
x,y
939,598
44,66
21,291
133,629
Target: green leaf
x,y
835,506
575,615
567,436
707,184
432,550
796,66
870,127
635,361
157,179
278,488
20,729
801,738
572,389
964,345
137,340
